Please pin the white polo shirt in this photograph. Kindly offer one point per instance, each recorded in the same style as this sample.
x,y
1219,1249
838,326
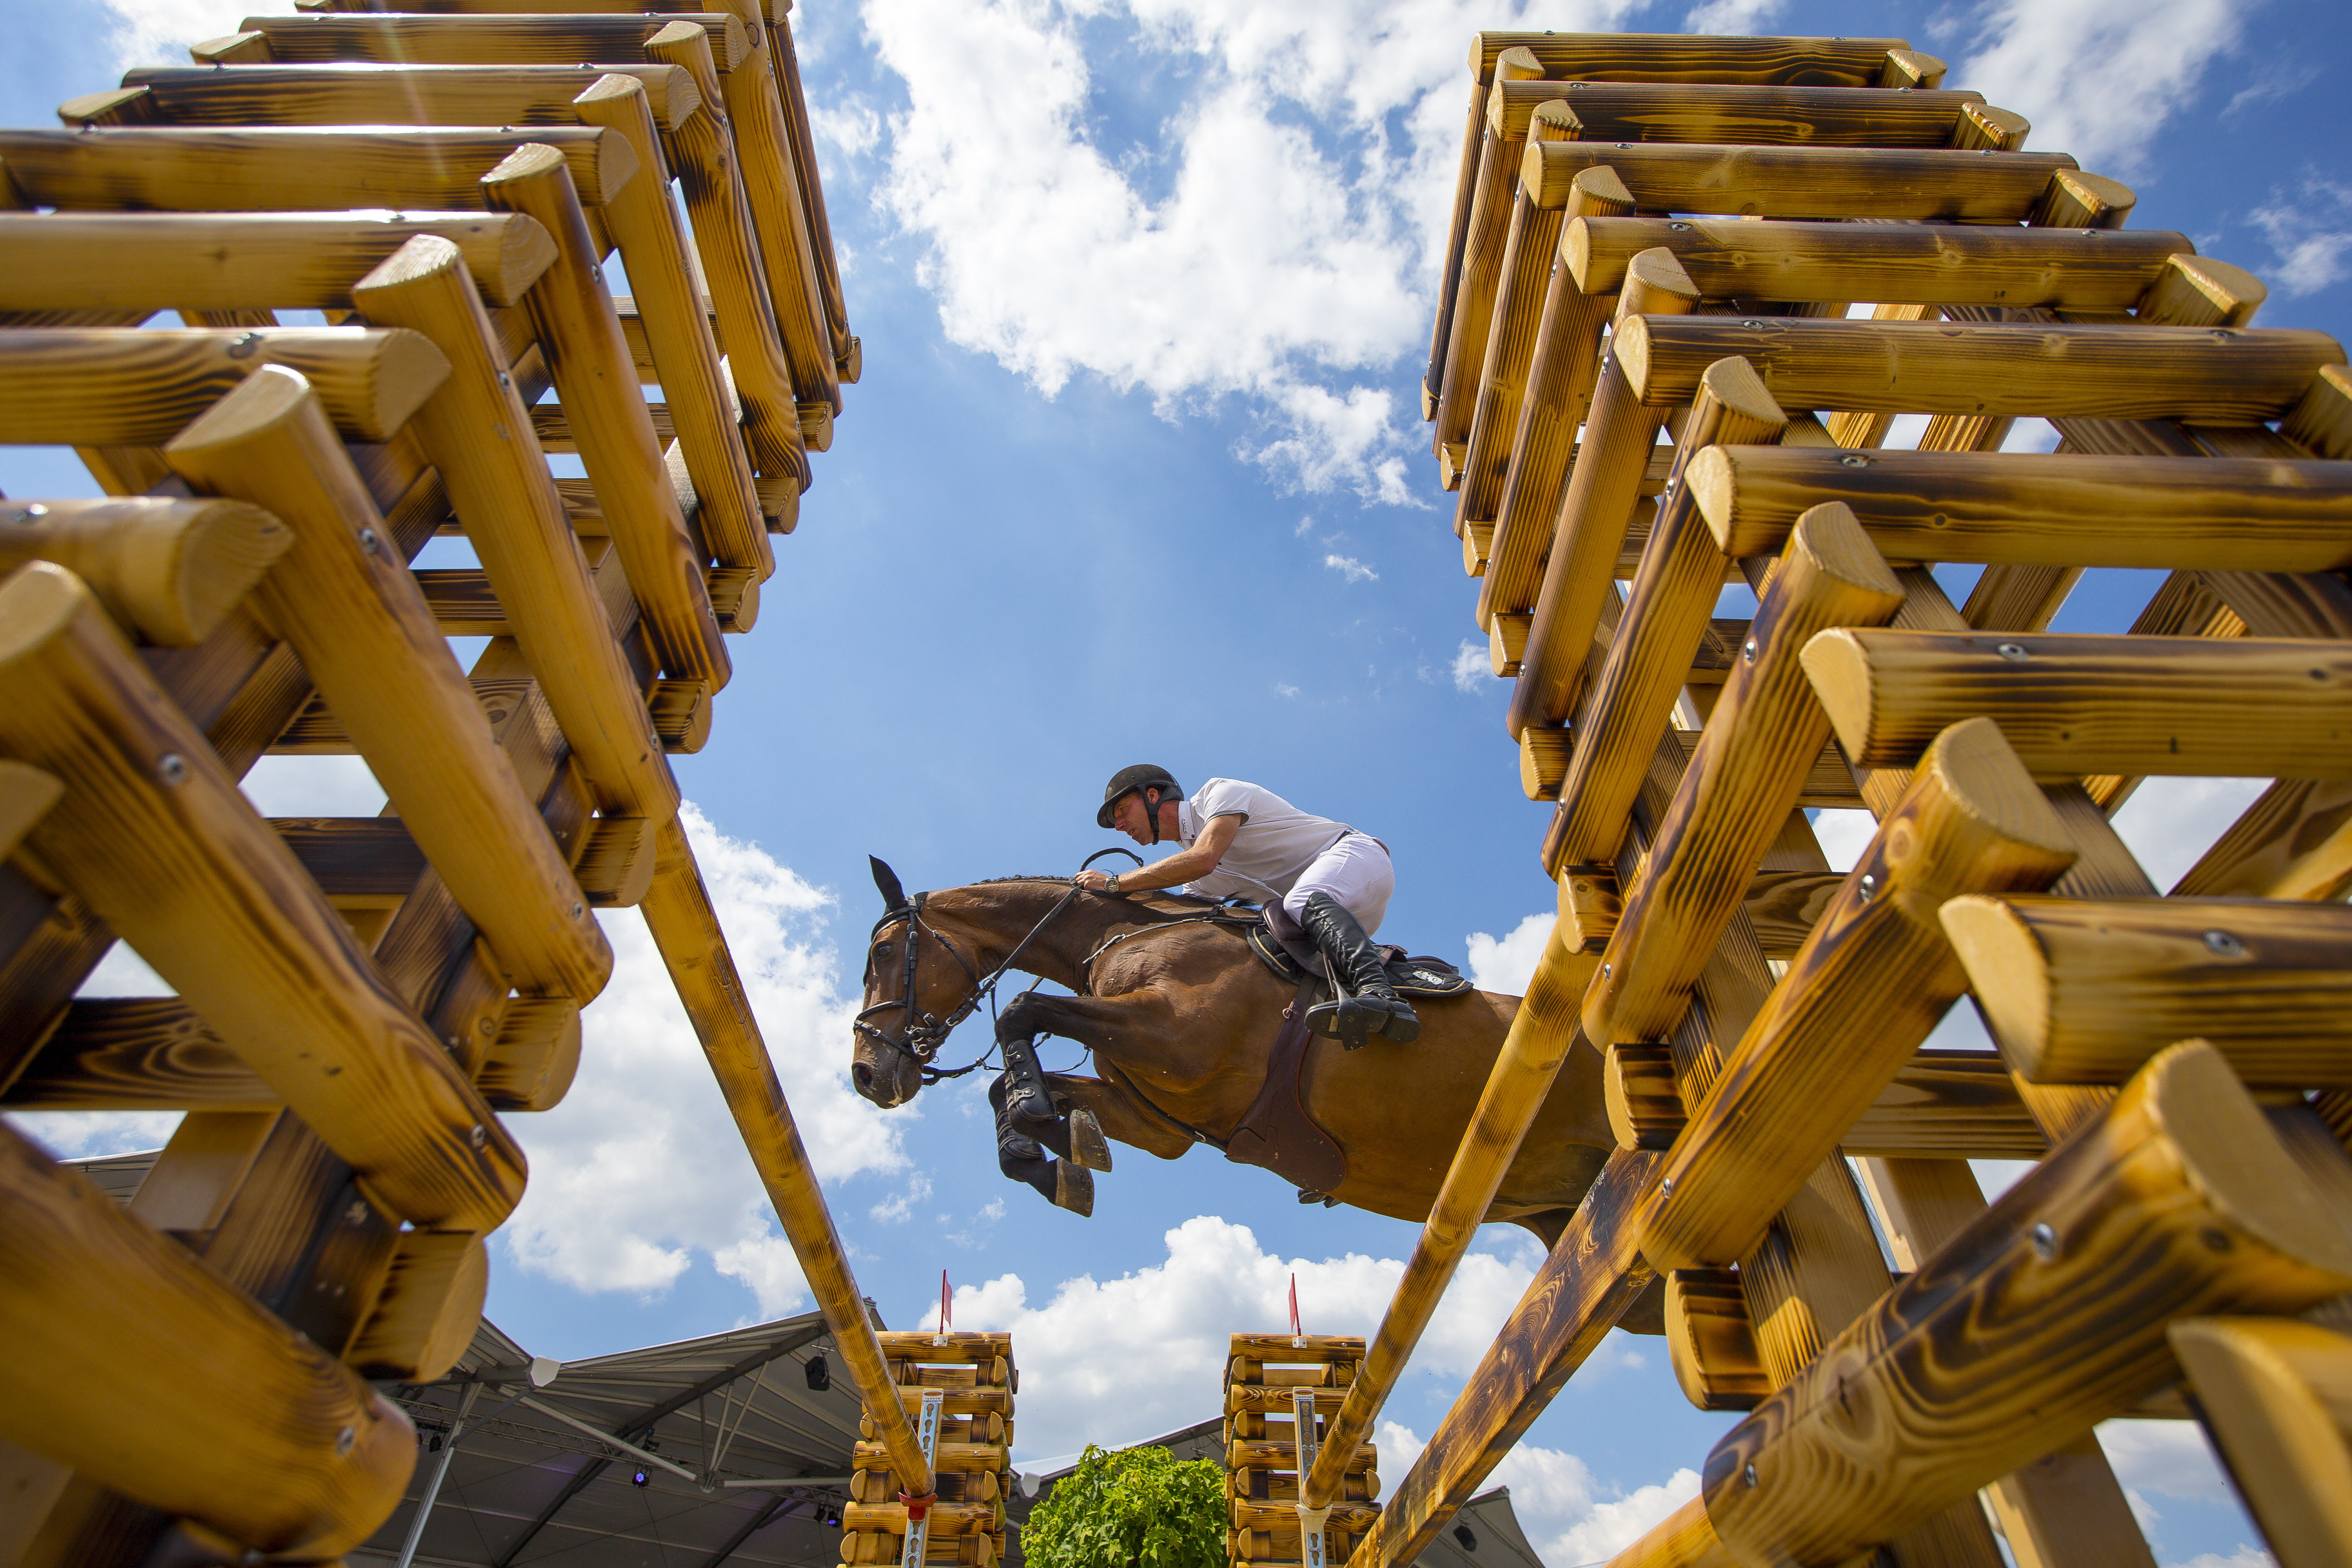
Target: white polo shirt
x,y
1277,842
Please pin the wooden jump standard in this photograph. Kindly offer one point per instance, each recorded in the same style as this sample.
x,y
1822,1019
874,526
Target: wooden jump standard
x,y
357,999
2180,1057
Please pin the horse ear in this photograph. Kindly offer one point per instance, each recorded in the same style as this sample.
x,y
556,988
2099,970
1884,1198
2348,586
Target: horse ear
x,y
894,896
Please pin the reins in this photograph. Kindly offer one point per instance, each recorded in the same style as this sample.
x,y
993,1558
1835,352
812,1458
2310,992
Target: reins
x,y
925,1032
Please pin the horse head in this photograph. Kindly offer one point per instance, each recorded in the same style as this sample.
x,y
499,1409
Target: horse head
x,y
912,982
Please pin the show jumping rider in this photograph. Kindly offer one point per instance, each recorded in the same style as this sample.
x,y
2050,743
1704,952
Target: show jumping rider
x,y
1311,874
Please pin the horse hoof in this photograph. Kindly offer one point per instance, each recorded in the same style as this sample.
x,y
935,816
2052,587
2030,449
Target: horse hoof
x,y
1089,1148
1074,1188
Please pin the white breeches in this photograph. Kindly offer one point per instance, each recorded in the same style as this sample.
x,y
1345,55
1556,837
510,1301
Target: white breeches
x,y
1357,872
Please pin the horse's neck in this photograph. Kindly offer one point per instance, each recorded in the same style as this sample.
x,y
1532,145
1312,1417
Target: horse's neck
x,y
998,916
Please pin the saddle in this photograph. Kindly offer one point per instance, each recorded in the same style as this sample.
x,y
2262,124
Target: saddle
x,y
1277,1131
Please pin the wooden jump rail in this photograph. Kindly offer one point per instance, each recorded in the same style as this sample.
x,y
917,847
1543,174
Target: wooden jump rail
x,y
1658,235
357,999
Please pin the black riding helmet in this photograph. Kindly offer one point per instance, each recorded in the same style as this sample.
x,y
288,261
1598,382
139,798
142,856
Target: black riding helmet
x,y
1131,781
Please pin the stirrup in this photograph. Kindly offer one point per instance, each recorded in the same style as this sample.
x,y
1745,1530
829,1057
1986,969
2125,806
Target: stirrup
x,y
1354,1020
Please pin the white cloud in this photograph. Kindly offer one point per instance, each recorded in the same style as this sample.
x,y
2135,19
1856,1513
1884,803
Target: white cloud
x,y
314,786
850,124
1743,16
2244,1557
1473,667
158,32
1284,689
2151,55
2170,823
640,1168
1843,836
2168,1456
1507,963
1298,198
1353,570
1118,1361
2311,254
895,1209
1570,1517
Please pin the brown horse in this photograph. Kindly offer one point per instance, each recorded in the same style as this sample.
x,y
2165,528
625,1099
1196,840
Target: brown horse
x,y
1182,1018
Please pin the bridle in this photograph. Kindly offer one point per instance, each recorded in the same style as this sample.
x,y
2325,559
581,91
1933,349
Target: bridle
x,y
923,1034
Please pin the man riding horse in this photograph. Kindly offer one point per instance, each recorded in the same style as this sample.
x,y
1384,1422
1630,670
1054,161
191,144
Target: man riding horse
x,y
1315,878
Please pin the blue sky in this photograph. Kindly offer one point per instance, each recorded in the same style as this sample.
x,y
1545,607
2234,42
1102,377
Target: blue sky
x,y
1135,472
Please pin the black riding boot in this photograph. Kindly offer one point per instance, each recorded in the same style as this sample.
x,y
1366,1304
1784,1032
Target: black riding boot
x,y
1022,1159
1373,1009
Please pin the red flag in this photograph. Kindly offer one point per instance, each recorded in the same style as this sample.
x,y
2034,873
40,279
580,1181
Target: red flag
x,y
1295,1331
947,1300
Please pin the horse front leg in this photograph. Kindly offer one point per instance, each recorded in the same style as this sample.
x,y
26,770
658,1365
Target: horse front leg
x,y
1072,1129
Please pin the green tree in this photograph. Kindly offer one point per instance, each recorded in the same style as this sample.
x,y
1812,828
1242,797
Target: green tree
x,y
1138,1508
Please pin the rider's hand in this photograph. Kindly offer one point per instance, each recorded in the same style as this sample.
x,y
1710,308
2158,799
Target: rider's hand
x,y
1094,880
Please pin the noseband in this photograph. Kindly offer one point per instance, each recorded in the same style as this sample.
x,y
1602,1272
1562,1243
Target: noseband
x,y
924,1033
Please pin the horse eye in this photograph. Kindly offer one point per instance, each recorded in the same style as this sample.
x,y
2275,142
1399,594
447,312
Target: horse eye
x,y
882,950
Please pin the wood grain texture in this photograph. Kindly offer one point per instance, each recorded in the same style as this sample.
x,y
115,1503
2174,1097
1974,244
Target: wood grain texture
x,y
572,309
1684,1539
2179,1201
1819,1053
1947,1105
694,948
2219,376
1667,615
249,1428
551,40
1512,337
168,169
1710,1341
476,429
1593,1274
673,318
1560,374
2077,704
1481,271
2085,992
428,1311
366,94
154,835
1541,1036
298,260
1614,453
710,177
1739,787
2043,508
1808,182
763,143
1449,278
133,388
1737,114
368,641
1683,58
2276,1398
1944,264
168,571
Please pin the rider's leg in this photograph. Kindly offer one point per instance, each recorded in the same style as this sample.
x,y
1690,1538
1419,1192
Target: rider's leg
x,y
1338,900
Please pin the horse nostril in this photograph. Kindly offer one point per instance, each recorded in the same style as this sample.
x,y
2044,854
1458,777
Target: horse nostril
x,y
862,1076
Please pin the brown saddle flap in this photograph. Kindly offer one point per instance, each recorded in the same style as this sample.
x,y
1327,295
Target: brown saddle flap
x,y
1276,1132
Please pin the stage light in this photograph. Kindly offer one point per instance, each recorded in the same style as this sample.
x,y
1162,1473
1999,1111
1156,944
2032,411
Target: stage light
x,y
637,1479
819,1374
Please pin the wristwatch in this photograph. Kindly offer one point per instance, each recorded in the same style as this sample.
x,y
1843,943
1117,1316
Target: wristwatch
x,y
1110,883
